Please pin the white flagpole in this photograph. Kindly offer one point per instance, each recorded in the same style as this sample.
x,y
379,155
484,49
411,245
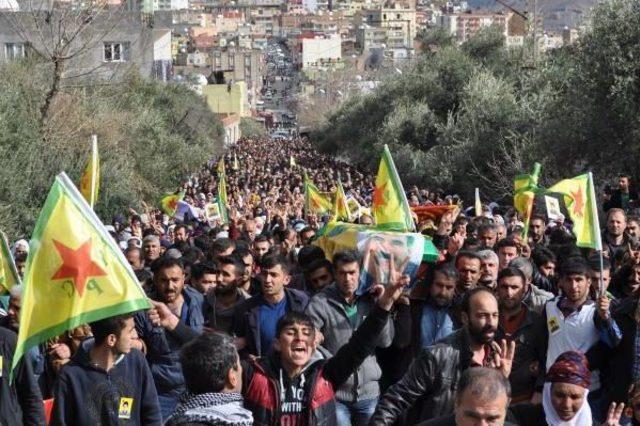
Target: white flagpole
x,y
596,231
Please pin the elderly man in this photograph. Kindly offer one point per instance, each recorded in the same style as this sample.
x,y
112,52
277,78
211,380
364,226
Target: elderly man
x,y
488,268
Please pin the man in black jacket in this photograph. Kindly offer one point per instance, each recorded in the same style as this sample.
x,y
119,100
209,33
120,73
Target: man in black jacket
x,y
20,400
433,377
255,319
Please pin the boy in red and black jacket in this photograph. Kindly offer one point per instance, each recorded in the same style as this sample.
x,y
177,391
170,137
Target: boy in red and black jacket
x,y
295,387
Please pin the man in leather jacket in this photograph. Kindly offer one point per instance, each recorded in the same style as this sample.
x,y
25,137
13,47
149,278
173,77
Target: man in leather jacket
x,y
431,383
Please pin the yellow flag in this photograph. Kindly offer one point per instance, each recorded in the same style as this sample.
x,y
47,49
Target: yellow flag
x,y
75,273
390,207
340,205
8,272
580,200
90,181
292,161
221,169
236,165
314,201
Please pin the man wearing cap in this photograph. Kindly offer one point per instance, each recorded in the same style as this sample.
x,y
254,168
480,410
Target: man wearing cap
x,y
575,322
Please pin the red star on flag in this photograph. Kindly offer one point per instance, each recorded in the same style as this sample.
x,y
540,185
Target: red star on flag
x,y
578,203
77,265
378,195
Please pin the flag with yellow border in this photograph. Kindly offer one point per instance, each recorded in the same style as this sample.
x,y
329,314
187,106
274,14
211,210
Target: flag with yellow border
x,y
169,202
340,206
579,198
314,201
8,272
75,272
390,207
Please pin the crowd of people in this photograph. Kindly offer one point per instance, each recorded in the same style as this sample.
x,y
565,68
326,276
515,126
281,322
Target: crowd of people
x,y
252,324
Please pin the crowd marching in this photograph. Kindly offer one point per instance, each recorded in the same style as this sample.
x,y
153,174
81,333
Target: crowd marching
x,y
256,319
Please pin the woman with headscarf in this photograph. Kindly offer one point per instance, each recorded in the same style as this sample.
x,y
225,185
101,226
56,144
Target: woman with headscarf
x,y
564,397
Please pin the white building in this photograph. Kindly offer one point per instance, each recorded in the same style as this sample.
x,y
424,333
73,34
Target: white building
x,y
319,51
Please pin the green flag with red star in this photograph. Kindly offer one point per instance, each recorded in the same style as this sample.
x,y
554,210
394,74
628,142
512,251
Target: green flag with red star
x,y
75,273
580,200
390,207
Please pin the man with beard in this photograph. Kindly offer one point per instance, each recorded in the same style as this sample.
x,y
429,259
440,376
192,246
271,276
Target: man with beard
x,y
520,324
468,264
249,284
488,236
433,377
488,269
614,237
261,246
431,318
221,302
164,340
537,229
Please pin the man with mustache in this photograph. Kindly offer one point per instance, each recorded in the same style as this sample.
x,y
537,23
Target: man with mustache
x,y
433,377
432,316
488,268
182,308
522,325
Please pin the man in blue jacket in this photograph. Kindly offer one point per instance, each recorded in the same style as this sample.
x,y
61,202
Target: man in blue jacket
x,y
255,319
164,339
107,382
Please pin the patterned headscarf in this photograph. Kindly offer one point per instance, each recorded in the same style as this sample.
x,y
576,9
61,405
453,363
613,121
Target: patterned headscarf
x,y
570,367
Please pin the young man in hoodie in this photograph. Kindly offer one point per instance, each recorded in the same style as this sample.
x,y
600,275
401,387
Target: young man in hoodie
x,y
106,382
213,375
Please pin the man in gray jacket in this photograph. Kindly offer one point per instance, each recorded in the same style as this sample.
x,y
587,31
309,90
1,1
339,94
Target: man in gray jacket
x,y
337,312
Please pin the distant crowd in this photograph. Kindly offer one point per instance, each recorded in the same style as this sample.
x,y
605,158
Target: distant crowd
x,y
253,324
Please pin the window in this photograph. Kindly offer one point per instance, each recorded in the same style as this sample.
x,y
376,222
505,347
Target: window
x,y
13,51
116,52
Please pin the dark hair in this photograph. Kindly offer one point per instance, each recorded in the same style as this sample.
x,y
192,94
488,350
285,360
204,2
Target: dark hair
x,y
512,271
234,260
483,383
241,252
317,264
542,255
192,255
633,218
22,257
574,266
272,260
206,362
466,299
291,318
506,242
200,269
101,329
594,263
221,245
538,217
203,242
166,262
181,226
447,270
127,251
487,227
468,254
261,239
344,257
309,254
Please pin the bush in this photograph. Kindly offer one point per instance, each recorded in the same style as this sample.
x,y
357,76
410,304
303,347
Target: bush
x,y
150,136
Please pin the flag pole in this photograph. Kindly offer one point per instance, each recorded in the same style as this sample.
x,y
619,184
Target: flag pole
x,y
596,232
94,162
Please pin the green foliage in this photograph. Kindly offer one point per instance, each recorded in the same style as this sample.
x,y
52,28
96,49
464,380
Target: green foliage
x,y
252,128
150,136
475,115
